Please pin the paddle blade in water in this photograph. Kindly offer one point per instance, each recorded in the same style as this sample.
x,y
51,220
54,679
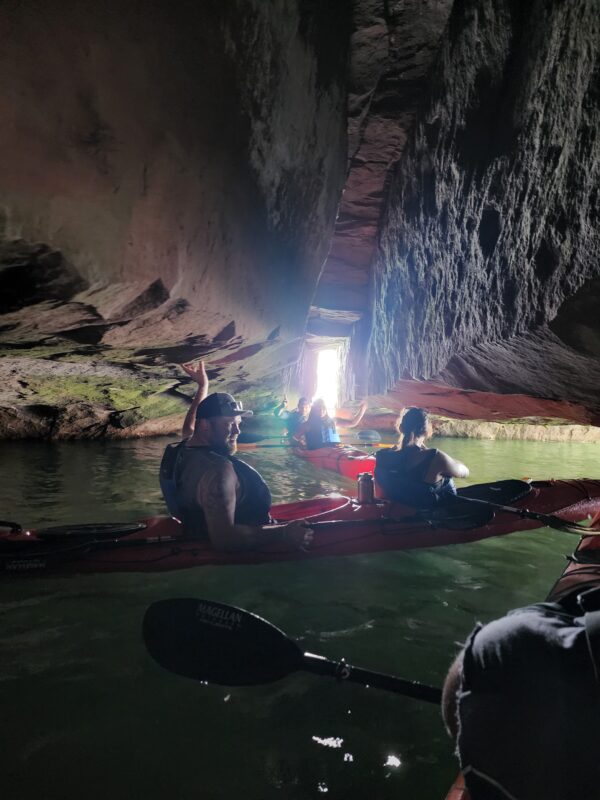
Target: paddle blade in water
x,y
220,644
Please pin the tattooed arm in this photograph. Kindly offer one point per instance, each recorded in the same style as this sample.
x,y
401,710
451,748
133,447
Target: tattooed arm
x,y
217,494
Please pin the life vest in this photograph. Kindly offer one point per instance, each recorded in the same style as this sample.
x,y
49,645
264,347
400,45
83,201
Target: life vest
x,y
323,436
166,478
293,422
252,506
405,484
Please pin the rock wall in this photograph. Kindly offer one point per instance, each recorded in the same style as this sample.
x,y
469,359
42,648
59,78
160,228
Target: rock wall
x,y
392,49
490,247
470,429
170,179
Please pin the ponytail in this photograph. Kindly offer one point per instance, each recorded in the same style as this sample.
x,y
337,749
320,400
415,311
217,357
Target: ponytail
x,y
414,424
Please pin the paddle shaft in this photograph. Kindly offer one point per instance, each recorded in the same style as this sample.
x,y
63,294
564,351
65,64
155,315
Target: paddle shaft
x,y
319,665
252,446
550,520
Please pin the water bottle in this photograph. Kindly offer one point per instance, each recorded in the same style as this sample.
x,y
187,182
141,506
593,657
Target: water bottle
x,y
366,488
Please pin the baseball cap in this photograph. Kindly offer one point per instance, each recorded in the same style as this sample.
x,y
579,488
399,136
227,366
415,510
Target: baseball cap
x,y
221,404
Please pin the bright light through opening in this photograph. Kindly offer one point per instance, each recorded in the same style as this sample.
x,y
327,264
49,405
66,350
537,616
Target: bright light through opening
x,y
328,370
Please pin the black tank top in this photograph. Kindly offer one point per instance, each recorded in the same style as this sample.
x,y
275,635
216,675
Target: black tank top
x,y
404,482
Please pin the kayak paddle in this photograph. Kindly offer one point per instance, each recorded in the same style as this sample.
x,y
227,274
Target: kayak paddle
x,y
222,644
550,520
453,519
245,445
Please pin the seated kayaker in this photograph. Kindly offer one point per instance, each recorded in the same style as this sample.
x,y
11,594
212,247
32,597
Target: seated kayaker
x,y
414,474
522,703
216,495
320,430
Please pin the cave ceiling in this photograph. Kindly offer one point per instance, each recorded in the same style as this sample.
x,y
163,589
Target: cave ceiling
x,y
247,182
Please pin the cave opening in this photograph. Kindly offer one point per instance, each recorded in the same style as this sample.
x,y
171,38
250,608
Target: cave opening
x,y
328,378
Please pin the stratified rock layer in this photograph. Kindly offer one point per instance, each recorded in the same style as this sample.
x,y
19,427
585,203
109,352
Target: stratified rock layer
x,y
489,253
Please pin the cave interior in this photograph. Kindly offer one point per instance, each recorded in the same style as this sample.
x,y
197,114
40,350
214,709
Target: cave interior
x,y
411,184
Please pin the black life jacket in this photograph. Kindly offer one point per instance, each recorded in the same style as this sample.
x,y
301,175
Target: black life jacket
x,y
322,436
166,478
404,483
252,507
293,422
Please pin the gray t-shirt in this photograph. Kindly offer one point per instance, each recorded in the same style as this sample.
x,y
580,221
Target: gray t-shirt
x,y
529,709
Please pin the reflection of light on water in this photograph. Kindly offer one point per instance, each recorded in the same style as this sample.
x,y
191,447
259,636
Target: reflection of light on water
x,y
328,368
330,741
322,787
392,761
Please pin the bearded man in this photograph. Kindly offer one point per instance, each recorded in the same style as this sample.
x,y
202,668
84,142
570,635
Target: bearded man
x,y
219,496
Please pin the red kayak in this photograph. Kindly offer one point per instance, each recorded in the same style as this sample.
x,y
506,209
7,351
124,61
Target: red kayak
x,y
346,461
342,527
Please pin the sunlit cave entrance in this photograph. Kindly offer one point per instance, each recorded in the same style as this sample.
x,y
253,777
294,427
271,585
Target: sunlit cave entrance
x,y
328,378
324,372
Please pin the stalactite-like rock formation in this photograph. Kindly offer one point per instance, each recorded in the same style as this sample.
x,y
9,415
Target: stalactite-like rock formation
x,y
489,257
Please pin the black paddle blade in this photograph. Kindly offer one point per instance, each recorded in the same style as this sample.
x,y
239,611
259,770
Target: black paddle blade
x,y
217,643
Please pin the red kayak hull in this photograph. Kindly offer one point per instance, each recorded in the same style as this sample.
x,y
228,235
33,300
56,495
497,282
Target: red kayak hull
x,y
346,461
161,544
582,571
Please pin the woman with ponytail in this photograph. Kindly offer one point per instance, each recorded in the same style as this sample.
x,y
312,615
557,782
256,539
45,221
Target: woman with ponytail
x,y
414,474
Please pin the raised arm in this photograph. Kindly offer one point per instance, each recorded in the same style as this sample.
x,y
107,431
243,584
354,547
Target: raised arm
x,y
281,408
198,373
216,494
342,423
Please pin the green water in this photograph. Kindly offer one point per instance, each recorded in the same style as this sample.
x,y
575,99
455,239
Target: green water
x,y
86,713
